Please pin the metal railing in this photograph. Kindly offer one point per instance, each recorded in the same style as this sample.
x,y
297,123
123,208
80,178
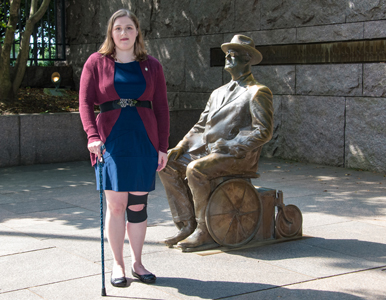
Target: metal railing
x,y
47,41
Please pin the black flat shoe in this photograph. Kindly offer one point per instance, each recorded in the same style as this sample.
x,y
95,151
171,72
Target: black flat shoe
x,y
147,278
118,282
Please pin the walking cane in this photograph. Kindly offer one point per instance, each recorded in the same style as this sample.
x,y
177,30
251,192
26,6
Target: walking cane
x,y
100,165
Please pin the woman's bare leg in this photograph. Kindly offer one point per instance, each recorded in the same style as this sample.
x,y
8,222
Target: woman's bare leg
x,y
115,228
136,233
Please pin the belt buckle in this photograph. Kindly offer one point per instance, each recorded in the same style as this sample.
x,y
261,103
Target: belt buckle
x,y
127,102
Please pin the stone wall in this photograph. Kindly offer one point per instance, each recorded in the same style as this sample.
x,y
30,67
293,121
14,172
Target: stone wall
x,y
42,138
324,113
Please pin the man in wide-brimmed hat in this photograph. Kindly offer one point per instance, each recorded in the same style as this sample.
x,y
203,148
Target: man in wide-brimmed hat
x,y
227,140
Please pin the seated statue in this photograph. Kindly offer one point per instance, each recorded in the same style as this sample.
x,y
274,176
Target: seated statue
x,y
226,140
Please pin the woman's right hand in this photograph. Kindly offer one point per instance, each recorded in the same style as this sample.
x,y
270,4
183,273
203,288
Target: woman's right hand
x,y
95,147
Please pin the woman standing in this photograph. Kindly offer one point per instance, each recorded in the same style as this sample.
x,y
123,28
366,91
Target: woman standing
x,y
132,129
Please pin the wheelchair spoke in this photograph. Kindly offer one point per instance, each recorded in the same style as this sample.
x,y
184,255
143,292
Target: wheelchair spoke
x,y
230,224
249,212
223,214
242,199
241,226
230,201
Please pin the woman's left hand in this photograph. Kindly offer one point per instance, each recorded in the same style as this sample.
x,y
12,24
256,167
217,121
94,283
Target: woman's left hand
x,y
162,160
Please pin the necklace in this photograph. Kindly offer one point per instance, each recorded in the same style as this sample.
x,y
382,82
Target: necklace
x,y
117,59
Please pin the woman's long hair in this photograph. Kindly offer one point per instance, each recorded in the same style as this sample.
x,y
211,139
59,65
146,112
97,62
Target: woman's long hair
x,y
108,46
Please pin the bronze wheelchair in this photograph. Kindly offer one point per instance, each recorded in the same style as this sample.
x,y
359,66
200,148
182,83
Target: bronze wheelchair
x,y
238,212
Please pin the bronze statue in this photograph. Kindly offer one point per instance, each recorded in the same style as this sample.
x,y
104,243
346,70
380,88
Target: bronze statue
x,y
227,140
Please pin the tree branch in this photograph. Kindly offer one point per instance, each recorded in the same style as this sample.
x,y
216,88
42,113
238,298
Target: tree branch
x,y
21,62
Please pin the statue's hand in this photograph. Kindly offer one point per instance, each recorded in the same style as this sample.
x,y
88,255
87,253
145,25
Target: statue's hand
x,y
237,151
220,146
176,152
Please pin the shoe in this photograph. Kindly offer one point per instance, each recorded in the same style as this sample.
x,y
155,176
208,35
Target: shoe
x,y
118,282
187,229
147,278
200,237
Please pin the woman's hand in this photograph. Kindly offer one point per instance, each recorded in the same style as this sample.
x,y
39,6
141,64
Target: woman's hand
x,y
162,160
95,147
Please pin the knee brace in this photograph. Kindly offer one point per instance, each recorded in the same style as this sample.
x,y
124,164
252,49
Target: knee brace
x,y
136,216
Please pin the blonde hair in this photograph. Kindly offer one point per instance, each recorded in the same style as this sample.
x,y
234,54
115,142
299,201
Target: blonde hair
x,y
108,46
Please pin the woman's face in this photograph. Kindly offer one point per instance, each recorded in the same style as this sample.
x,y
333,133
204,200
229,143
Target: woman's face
x,y
124,34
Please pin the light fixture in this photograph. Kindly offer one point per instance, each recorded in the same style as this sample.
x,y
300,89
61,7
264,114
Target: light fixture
x,y
56,78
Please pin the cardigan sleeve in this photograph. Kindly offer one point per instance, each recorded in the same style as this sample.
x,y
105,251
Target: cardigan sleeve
x,y
161,110
87,96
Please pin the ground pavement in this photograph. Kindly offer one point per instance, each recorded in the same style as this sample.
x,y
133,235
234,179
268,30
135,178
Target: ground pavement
x,y
50,240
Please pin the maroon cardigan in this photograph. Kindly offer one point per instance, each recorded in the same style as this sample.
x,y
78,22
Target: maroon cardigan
x,y
97,87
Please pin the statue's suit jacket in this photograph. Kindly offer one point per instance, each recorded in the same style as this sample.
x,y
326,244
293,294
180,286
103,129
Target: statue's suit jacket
x,y
237,120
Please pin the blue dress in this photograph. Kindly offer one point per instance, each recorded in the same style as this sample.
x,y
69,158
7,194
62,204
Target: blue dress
x,y
130,158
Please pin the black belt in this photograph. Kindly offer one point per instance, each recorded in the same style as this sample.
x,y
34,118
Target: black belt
x,y
122,103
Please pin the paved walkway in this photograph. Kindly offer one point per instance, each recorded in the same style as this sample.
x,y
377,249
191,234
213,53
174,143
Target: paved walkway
x,y
50,246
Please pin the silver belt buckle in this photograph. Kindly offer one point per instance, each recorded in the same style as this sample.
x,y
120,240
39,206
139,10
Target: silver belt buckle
x,y
127,102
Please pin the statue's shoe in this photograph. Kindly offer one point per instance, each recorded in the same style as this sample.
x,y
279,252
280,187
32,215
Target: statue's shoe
x,y
186,230
200,238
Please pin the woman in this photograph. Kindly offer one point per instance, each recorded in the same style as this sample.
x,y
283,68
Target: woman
x,y
132,129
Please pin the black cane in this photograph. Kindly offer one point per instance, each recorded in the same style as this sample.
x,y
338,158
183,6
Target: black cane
x,y
100,165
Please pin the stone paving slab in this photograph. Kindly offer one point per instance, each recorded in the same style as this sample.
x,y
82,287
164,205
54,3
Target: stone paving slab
x,y
20,295
15,242
352,238
367,285
303,258
43,267
193,276
89,288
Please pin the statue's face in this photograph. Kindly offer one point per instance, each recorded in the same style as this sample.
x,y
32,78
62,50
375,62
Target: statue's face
x,y
235,60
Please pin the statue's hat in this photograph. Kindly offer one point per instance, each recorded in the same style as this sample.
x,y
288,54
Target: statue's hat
x,y
242,42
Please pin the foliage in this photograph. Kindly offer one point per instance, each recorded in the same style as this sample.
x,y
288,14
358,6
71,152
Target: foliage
x,y
20,28
43,37
34,100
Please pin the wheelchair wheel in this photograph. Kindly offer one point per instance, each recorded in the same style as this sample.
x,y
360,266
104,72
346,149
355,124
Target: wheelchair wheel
x,y
233,213
291,226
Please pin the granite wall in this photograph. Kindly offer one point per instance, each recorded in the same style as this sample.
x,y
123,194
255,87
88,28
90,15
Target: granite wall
x,y
324,113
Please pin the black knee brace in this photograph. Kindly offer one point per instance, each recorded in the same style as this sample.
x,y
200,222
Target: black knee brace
x,y
137,216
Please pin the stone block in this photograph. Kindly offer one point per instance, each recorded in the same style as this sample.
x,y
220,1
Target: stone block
x,y
169,19
200,77
193,100
273,37
83,23
247,15
280,79
340,32
312,129
173,101
208,17
329,80
52,138
365,137
274,146
374,80
171,54
374,30
181,122
359,10
77,57
290,14
10,144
